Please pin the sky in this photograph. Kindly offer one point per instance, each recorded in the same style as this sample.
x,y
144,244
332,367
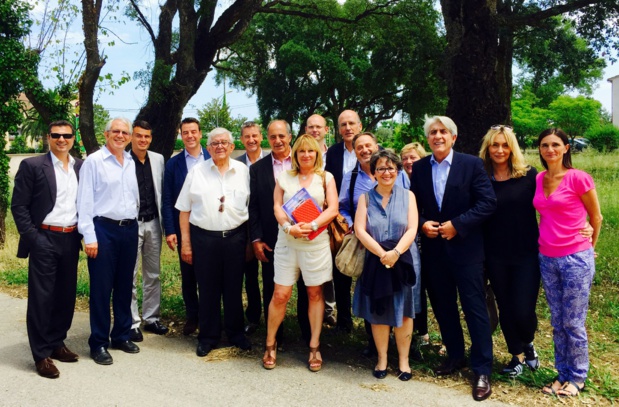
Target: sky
x,y
132,51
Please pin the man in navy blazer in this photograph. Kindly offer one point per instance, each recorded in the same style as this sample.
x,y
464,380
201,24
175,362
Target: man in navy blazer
x,y
45,212
176,170
454,197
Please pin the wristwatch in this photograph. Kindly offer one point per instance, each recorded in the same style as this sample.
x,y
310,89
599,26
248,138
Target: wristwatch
x,y
286,226
314,225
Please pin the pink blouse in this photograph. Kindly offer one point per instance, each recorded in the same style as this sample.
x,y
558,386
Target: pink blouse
x,y
563,214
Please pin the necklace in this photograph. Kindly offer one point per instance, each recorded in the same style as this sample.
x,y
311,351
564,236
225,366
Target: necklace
x,y
499,177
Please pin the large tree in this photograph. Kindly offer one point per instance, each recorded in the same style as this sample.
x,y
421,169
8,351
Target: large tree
x,y
297,66
183,58
481,38
14,25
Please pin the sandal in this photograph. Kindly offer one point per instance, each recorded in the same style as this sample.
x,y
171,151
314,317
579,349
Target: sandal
x,y
314,363
564,392
549,390
268,361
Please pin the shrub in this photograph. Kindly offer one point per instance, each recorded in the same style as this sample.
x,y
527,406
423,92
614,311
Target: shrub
x,y
604,138
19,146
178,144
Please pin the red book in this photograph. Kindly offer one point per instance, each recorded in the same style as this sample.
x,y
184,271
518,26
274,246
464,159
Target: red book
x,y
301,207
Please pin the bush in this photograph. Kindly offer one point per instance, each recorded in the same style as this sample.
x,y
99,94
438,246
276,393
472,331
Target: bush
x,y
178,144
19,146
604,138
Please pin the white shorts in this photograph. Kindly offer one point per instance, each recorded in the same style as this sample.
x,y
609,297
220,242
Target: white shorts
x,y
315,266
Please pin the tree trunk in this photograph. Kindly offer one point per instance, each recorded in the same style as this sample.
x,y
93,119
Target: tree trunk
x,y
91,12
476,101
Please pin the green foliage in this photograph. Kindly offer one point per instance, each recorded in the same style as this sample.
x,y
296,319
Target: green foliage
x,y
575,115
396,135
178,144
20,146
528,119
603,138
101,118
216,113
382,64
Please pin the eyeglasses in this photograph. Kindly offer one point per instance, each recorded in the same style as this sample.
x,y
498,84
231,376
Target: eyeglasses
x,y
117,132
221,206
216,144
383,170
501,127
66,136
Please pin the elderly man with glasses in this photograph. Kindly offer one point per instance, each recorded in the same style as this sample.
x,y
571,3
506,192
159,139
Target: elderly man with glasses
x,y
213,214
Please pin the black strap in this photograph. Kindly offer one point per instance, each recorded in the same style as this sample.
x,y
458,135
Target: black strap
x,y
351,191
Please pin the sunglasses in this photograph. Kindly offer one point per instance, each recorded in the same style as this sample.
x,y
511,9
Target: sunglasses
x,y
58,135
221,206
501,127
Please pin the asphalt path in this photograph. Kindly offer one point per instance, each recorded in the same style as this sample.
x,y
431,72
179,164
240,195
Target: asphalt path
x,y
168,373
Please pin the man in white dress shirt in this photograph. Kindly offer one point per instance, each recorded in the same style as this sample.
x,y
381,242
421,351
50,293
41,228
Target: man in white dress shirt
x,y
108,201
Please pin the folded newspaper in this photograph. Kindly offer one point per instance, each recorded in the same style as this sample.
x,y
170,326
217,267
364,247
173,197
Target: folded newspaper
x,y
301,207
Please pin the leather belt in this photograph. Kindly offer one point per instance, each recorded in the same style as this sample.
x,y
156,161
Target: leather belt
x,y
225,233
61,229
146,218
122,222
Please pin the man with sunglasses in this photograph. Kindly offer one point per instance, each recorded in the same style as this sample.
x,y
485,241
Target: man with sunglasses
x,y
213,225
45,213
108,202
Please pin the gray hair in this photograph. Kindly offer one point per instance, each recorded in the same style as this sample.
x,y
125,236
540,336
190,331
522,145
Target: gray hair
x,y
126,121
444,120
216,132
288,128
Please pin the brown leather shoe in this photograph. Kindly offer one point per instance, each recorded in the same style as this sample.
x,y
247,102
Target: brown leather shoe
x,y
63,354
481,388
190,326
46,368
449,366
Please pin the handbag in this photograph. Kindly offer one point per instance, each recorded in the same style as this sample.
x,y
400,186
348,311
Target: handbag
x,y
337,228
351,256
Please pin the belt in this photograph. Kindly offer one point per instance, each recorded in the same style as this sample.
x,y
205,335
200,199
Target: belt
x,y
61,229
123,222
225,233
146,218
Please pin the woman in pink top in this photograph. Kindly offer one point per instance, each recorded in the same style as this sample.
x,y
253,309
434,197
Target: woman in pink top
x,y
564,197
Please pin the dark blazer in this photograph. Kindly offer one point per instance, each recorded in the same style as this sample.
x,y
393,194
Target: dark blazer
x,y
173,180
262,222
469,199
34,197
242,158
335,163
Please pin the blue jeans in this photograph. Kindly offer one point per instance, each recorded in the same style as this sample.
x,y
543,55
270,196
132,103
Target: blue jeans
x,y
567,283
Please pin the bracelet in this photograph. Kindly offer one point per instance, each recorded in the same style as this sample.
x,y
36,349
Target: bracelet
x,y
286,227
397,252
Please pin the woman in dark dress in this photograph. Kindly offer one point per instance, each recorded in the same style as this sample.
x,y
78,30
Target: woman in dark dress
x,y
510,237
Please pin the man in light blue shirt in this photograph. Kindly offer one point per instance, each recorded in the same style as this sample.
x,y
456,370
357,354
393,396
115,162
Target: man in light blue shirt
x,y
107,203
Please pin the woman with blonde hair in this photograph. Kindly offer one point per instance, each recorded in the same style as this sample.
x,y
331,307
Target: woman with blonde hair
x,y
410,153
294,253
510,239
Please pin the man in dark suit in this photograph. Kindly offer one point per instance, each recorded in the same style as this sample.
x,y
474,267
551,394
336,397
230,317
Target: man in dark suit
x,y
263,226
176,170
45,213
251,137
454,197
341,159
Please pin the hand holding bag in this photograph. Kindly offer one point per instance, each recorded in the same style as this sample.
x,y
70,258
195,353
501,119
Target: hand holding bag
x,y
351,256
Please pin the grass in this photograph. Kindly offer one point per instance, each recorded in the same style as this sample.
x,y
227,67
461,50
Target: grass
x,y
602,324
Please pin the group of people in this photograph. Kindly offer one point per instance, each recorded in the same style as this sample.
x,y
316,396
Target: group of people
x,y
435,223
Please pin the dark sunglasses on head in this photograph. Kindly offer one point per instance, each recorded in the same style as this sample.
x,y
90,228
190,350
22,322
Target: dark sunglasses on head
x,y
58,135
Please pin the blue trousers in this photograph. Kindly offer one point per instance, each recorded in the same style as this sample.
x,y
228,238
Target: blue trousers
x,y
567,283
111,274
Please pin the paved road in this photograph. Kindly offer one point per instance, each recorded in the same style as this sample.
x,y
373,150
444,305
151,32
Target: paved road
x,y
167,373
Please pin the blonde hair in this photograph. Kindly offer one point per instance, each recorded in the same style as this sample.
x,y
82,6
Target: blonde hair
x,y
516,163
417,147
305,141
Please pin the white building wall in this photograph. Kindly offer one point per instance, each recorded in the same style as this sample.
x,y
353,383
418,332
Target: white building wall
x,y
615,99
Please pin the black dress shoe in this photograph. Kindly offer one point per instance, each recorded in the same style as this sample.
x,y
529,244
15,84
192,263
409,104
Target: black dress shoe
x,y
250,328
481,387
101,356
157,328
126,346
242,343
379,374
404,376
203,349
449,366
135,335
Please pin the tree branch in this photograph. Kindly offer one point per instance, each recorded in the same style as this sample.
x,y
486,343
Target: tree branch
x,y
532,19
143,20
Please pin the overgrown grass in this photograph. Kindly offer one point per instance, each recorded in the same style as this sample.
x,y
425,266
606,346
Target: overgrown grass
x,y
603,321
